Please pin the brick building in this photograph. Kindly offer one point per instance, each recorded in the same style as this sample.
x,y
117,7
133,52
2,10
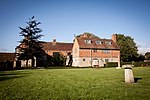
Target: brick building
x,y
57,47
6,60
90,50
53,48
50,49
87,50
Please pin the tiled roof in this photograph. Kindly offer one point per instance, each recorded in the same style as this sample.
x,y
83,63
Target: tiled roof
x,y
94,45
7,56
57,46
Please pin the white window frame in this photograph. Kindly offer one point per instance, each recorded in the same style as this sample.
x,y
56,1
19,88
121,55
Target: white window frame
x,y
88,41
108,42
98,42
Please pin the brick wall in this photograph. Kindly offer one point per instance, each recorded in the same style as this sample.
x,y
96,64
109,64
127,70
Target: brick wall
x,y
75,49
98,53
64,53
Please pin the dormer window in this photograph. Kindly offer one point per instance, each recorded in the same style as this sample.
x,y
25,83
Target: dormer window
x,y
88,41
108,43
98,42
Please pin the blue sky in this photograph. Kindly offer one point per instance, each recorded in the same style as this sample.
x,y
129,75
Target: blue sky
x,y
61,19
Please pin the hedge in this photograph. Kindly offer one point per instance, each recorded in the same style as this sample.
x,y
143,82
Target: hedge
x,y
111,64
136,64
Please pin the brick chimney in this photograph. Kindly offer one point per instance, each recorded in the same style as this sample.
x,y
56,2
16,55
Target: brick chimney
x,y
114,37
54,42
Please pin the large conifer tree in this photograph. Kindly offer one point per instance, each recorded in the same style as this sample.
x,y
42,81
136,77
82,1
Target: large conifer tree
x,y
30,45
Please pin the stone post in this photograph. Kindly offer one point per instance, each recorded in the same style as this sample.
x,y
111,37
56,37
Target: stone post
x,y
129,77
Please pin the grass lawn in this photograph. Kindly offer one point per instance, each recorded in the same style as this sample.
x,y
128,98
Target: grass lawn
x,y
74,84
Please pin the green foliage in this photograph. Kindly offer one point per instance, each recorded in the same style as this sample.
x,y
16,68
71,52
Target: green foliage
x,y
58,60
137,64
128,48
74,84
31,45
126,63
111,64
147,55
140,58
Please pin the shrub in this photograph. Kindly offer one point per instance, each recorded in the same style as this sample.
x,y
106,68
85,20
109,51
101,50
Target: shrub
x,y
125,63
111,64
136,64
58,60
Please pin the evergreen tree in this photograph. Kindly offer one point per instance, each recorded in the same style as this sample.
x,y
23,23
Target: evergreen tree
x,y
30,46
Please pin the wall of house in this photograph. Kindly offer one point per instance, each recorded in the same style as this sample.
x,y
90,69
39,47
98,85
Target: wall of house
x,y
23,63
75,49
75,52
88,57
50,52
87,61
81,62
99,53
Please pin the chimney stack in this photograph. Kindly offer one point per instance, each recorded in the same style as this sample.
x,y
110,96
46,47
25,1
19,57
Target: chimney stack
x,y
54,40
114,37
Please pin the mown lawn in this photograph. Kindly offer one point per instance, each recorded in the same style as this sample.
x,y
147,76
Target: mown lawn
x,y
74,84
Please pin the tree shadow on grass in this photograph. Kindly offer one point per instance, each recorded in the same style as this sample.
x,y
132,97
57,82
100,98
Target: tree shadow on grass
x,y
66,67
136,79
7,76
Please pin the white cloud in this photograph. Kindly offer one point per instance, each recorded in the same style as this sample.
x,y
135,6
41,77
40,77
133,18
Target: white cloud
x,y
143,50
143,47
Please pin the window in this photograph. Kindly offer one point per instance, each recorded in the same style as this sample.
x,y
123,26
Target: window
x,y
68,54
108,43
106,51
88,41
106,60
95,50
98,42
56,53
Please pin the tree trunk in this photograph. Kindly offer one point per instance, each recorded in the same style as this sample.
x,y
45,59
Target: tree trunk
x,y
27,63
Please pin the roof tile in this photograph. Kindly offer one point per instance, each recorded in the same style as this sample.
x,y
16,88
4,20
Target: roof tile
x,y
57,46
7,56
94,45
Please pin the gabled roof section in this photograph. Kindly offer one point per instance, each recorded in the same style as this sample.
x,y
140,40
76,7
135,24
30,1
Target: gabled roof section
x,y
92,42
57,46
